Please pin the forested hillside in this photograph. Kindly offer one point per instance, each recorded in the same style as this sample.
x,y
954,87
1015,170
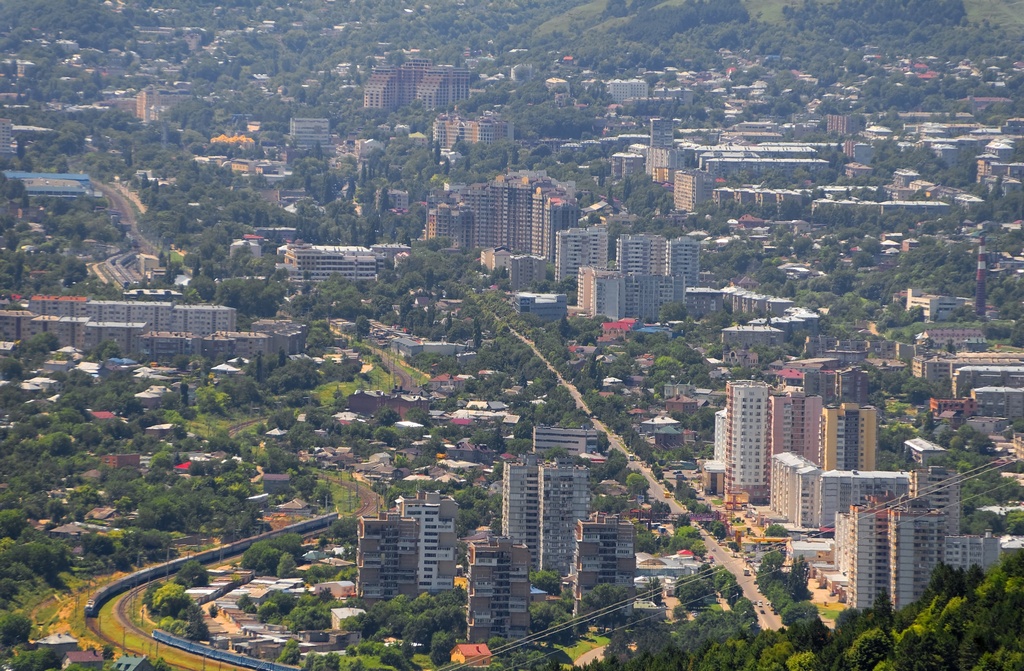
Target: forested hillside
x,y
966,621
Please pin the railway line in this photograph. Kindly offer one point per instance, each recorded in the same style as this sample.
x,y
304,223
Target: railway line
x,y
122,593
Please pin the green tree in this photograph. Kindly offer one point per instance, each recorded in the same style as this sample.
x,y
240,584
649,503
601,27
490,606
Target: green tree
x,y
636,484
441,644
286,567
192,574
170,600
548,581
14,629
290,653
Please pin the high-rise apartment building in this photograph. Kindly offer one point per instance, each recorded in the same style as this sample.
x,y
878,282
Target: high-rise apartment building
x,y
619,295
387,557
580,247
436,86
6,136
435,518
963,552
862,552
795,421
936,488
841,489
454,222
525,269
916,547
662,131
691,188
520,505
408,550
642,254
522,211
721,434
604,555
683,259
498,590
849,437
601,292
795,489
747,465
565,499
540,505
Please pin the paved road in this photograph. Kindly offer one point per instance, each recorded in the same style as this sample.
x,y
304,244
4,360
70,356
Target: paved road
x,y
595,655
656,492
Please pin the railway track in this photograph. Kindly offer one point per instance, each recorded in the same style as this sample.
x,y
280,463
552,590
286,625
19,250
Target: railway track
x,y
136,640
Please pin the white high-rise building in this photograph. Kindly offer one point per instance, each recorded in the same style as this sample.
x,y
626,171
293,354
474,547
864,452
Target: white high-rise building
x,y
842,489
746,447
520,505
684,259
601,292
579,247
642,254
721,432
862,553
435,518
916,547
541,503
967,551
565,499
795,489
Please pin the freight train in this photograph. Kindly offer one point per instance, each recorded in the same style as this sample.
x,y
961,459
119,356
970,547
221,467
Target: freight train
x,y
93,605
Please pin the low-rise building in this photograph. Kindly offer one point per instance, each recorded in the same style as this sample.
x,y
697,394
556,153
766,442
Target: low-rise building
x,y
548,307
318,262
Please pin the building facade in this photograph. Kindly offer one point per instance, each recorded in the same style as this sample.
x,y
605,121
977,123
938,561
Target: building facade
x,y
580,247
498,586
390,88
604,555
795,421
849,437
319,262
747,466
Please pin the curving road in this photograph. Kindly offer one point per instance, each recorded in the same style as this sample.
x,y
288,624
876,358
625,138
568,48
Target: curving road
x,y
656,492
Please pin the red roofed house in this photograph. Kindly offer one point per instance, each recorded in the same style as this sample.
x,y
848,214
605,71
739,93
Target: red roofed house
x,y
471,654
618,329
102,415
90,659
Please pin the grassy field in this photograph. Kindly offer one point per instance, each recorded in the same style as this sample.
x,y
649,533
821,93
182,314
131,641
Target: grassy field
x,y
376,378
585,645
998,12
589,11
146,646
830,611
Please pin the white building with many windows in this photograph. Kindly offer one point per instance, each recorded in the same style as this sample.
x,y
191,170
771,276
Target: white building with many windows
x,y
318,262
747,467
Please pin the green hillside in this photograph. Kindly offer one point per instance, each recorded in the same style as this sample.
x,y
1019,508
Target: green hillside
x,y
1007,13
966,621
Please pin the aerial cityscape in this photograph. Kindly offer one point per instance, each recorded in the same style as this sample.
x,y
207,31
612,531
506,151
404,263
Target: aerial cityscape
x,y
624,335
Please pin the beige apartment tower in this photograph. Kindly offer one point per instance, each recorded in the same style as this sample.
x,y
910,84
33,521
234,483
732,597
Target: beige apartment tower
x,y
604,556
499,590
849,437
